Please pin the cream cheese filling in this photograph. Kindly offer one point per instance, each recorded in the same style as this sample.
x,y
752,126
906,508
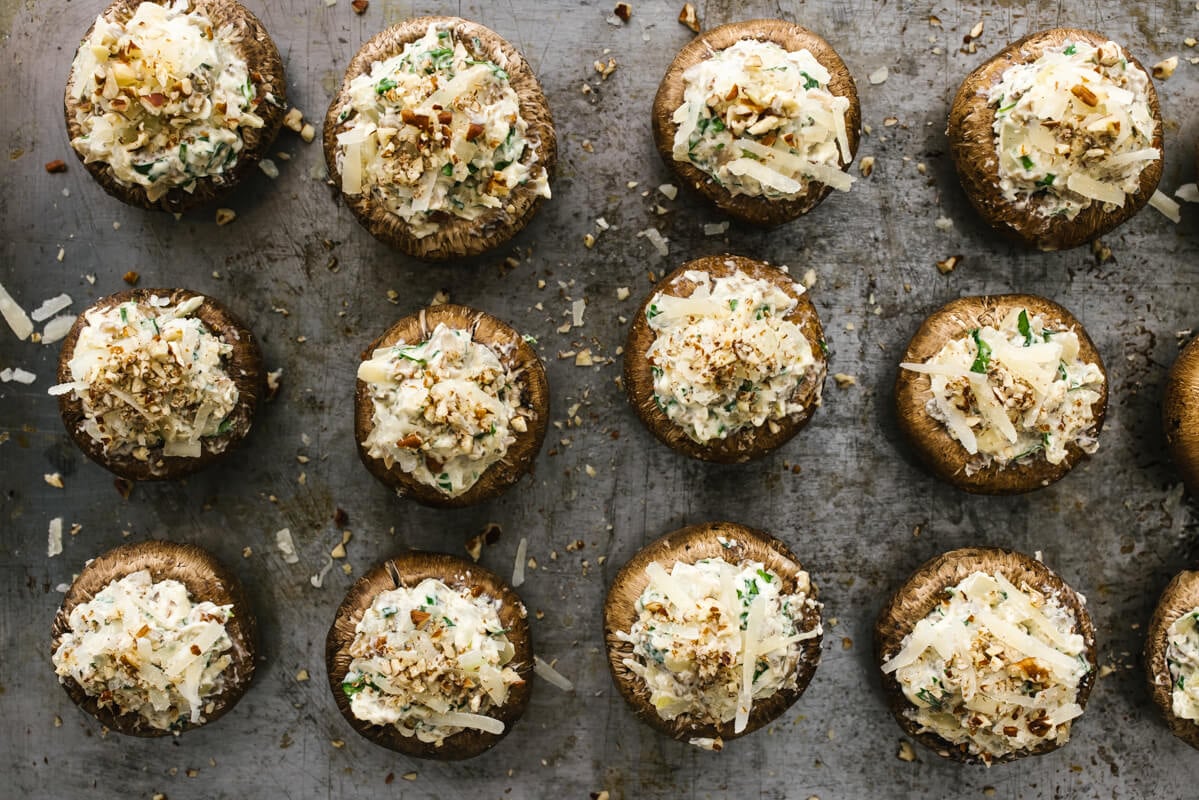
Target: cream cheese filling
x,y
437,130
761,121
994,667
144,647
163,98
1014,392
1073,128
431,661
1182,657
726,357
150,375
444,409
712,638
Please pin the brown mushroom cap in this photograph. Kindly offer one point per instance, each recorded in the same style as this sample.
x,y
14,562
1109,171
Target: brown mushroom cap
x,y
514,352
260,55
972,144
689,545
922,592
941,453
206,579
757,210
1180,597
455,236
244,366
1180,414
406,571
749,442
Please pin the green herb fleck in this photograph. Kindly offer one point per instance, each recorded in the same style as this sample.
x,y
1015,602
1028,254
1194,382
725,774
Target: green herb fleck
x,y
384,86
733,304
1026,162
983,359
225,425
1070,50
653,311
808,81
449,623
1047,180
444,483
124,315
766,576
1025,328
447,170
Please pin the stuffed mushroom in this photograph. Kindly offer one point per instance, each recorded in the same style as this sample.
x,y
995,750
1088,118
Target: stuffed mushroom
x,y
171,103
986,656
154,638
440,139
712,631
1058,139
451,406
725,360
156,383
1001,394
1180,414
761,117
1172,656
430,655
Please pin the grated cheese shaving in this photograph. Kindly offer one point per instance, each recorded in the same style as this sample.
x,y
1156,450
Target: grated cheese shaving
x,y
551,675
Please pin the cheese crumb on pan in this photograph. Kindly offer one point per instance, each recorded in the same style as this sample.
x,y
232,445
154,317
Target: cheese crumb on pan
x,y
444,409
431,661
994,667
726,357
437,130
1073,128
149,374
762,122
711,638
163,98
144,647
1014,393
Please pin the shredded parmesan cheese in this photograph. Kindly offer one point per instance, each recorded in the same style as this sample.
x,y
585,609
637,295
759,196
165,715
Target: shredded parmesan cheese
x,y
1073,128
145,647
726,357
1013,393
431,661
712,638
762,122
994,668
444,409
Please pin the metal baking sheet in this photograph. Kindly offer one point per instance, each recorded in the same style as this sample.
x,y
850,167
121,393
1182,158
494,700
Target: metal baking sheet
x,y
845,494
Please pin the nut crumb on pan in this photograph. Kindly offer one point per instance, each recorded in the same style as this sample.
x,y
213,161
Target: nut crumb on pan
x,y
866,166
880,75
360,6
844,381
53,479
906,751
603,69
1164,69
293,120
132,277
688,17
949,264
225,215
57,165
623,12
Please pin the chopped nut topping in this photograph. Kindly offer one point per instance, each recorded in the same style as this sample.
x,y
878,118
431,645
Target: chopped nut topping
x,y
57,165
688,17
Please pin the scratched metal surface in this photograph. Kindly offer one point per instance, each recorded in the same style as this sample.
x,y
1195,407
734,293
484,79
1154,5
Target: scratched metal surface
x,y
850,512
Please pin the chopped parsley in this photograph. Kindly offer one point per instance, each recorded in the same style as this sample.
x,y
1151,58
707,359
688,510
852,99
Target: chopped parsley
x,y
808,81
983,359
1026,162
1025,329
384,86
1070,50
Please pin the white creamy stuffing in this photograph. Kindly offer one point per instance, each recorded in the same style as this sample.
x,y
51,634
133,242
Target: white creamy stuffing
x,y
432,661
761,121
163,98
444,409
994,668
1073,128
436,131
143,647
1182,656
151,375
726,357
711,638
1015,392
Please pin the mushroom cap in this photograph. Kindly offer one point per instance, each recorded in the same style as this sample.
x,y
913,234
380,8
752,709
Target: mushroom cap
x,y
520,359
455,237
941,453
1180,597
749,442
205,579
1180,414
689,545
405,571
973,147
260,55
244,366
922,592
791,37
